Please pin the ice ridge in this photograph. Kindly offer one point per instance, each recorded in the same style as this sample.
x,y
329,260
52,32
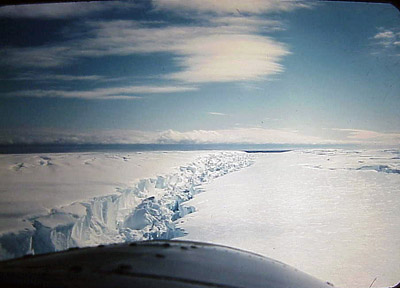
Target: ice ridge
x,y
148,210
380,168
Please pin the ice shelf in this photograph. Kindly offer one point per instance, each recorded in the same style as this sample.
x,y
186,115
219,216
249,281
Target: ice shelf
x,y
147,210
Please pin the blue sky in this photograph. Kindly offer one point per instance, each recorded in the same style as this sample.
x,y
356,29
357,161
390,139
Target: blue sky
x,y
200,72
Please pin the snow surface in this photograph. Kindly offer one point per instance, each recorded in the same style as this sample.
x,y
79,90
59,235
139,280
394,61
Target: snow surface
x,y
333,214
33,184
121,211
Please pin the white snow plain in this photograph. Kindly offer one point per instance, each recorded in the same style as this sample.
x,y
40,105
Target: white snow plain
x,y
33,184
333,214
56,201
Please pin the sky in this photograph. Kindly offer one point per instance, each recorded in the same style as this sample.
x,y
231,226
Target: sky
x,y
200,71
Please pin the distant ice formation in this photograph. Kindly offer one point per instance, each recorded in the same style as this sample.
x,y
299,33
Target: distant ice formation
x,y
143,212
380,168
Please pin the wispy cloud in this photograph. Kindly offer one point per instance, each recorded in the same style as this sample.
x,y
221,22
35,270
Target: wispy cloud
x,y
228,136
61,10
267,119
223,46
230,6
217,114
212,53
54,77
360,136
248,23
126,92
225,58
253,135
53,136
42,56
238,135
389,40
384,35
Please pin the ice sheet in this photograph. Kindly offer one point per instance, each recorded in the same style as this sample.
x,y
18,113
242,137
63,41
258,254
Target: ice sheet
x,y
143,210
331,213
33,184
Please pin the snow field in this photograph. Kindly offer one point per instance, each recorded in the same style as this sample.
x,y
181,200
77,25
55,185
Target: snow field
x,y
147,210
333,214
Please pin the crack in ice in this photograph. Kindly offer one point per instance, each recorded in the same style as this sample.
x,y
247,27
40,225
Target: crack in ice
x,y
145,211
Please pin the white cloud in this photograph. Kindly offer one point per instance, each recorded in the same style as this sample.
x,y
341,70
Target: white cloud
x,y
238,136
224,58
226,46
205,54
60,10
369,137
273,136
214,53
384,35
388,39
58,77
224,136
248,23
230,6
30,136
126,92
217,114
42,56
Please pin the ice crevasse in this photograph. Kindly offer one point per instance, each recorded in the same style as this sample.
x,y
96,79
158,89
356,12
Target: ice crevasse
x,y
145,211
